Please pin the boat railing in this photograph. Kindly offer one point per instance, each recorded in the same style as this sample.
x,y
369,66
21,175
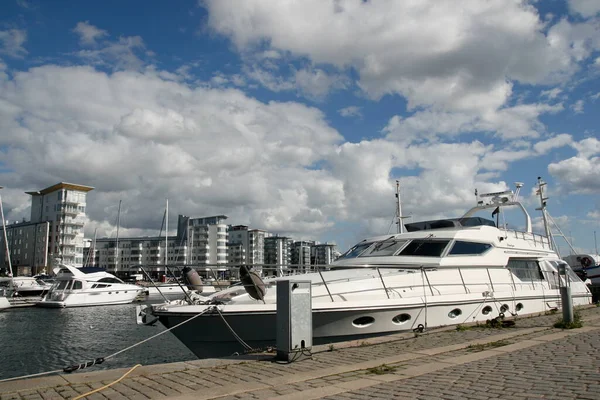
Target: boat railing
x,y
434,288
533,239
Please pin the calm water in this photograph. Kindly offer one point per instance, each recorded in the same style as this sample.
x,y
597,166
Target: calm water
x,y
35,339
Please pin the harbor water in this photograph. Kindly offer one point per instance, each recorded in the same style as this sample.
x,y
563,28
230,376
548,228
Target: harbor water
x,y
34,340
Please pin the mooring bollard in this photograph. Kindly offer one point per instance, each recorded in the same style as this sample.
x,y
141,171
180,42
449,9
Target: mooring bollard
x,y
565,296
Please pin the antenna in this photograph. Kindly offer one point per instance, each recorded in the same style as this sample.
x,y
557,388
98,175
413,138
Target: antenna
x,y
518,185
399,216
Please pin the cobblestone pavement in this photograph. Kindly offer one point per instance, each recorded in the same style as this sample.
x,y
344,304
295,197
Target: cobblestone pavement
x,y
531,360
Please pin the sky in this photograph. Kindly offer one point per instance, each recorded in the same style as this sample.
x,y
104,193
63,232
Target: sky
x,y
298,117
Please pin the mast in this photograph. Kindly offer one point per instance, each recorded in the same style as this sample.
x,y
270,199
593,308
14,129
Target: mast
x,y
399,209
595,243
117,244
6,239
542,208
166,234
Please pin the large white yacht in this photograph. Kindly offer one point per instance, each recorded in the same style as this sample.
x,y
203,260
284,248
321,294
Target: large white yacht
x,y
443,272
74,288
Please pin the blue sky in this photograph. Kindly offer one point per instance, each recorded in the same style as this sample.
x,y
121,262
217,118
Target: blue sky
x,y
298,117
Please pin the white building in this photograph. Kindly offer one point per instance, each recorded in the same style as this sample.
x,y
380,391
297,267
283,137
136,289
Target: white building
x,y
324,253
206,238
63,206
246,246
278,253
301,255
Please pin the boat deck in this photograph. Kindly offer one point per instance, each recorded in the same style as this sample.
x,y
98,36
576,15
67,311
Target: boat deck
x,y
525,361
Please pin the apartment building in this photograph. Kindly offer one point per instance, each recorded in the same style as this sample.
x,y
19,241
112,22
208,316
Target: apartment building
x,y
246,246
278,253
28,247
301,255
63,206
324,253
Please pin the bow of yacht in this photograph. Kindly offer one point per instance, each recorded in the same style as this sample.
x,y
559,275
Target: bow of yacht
x,y
74,288
441,272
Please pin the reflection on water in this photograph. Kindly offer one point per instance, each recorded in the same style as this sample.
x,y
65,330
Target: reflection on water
x,y
35,340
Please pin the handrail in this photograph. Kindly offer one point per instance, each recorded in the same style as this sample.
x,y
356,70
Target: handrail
x,y
383,283
325,283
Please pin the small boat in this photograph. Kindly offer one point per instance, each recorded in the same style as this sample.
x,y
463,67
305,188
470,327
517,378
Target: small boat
x,y
74,288
586,266
436,273
25,286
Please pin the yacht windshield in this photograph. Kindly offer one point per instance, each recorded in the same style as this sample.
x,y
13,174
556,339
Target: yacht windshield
x,y
384,248
356,250
425,248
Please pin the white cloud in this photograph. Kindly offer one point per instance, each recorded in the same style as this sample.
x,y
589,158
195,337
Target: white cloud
x,y
11,43
121,54
544,146
577,107
137,137
140,138
431,52
582,172
551,93
350,111
586,8
313,83
88,34
520,121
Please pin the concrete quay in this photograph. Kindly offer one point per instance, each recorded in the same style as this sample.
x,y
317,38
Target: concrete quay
x,y
531,360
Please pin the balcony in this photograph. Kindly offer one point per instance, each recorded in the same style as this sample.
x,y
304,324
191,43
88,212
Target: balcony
x,y
73,222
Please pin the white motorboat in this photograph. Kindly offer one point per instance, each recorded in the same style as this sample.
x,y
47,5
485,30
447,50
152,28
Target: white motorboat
x,y
587,266
442,272
24,286
170,290
74,288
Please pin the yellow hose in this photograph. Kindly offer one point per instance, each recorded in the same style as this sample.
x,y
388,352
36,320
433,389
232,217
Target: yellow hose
x,y
105,386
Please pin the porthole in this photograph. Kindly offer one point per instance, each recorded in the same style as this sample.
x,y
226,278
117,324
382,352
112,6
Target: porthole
x,y
519,307
363,322
455,313
486,310
504,308
401,318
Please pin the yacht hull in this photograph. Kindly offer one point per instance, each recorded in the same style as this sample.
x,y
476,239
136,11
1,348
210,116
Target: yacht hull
x,y
208,335
87,299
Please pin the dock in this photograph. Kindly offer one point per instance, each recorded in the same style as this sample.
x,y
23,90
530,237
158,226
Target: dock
x,y
532,360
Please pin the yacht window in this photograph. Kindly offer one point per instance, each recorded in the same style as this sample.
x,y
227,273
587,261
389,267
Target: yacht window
x,y
464,248
572,275
384,248
62,285
525,270
110,280
101,285
77,285
356,250
69,284
425,248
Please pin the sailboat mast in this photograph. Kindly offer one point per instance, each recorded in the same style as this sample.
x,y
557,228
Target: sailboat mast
x,y
117,244
166,234
399,209
5,238
595,243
